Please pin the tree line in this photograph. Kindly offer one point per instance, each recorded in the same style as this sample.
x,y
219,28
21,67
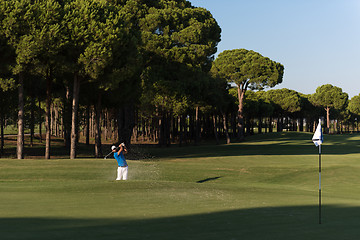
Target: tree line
x,y
141,70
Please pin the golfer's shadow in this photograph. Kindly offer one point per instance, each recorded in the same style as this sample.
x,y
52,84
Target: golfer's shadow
x,y
208,179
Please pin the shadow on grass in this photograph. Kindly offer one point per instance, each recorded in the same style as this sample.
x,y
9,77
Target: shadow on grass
x,y
300,222
208,179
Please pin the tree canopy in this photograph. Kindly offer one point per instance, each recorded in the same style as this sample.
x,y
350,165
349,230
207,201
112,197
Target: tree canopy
x,y
329,97
178,45
141,66
247,69
354,105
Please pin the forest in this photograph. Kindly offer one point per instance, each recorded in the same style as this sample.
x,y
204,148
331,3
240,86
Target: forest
x,y
143,71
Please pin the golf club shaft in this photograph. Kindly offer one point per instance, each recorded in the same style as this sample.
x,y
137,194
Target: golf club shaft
x,y
108,155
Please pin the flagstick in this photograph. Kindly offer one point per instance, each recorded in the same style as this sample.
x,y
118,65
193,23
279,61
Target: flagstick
x,y
318,140
319,183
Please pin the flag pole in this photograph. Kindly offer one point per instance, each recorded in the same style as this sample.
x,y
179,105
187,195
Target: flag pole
x,y
320,184
318,140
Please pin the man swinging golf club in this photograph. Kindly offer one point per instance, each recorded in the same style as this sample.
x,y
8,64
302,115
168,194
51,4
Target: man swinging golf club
x,y
122,171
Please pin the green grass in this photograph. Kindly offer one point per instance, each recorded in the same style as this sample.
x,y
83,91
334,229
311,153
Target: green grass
x,y
13,130
263,188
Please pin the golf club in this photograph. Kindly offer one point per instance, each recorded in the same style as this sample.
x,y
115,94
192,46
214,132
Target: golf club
x,y
117,149
108,154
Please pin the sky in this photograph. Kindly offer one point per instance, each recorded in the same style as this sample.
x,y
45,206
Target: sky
x,y
317,41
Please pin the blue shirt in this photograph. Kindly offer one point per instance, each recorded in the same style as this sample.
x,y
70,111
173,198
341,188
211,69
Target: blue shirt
x,y
120,159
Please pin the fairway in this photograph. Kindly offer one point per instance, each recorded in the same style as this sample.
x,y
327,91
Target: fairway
x,y
263,188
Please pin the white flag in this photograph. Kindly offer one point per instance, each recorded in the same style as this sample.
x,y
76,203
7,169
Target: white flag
x,y
318,136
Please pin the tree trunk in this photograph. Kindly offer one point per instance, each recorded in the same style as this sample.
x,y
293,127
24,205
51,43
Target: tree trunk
x,y
167,129
260,125
327,109
2,118
48,118
135,134
143,130
228,141
32,120
87,128
161,128
197,125
98,151
270,124
92,123
241,94
280,124
57,127
180,123
175,129
185,129
248,126
74,118
67,118
40,121
126,123
20,136
301,124
215,129
234,125
52,121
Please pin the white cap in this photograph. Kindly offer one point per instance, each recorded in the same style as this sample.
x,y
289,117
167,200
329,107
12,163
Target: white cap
x,y
113,147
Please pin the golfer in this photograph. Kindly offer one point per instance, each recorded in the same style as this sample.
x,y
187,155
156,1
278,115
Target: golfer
x,y
122,171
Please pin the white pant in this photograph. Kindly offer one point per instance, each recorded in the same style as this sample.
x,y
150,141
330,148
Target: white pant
x,y
122,173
